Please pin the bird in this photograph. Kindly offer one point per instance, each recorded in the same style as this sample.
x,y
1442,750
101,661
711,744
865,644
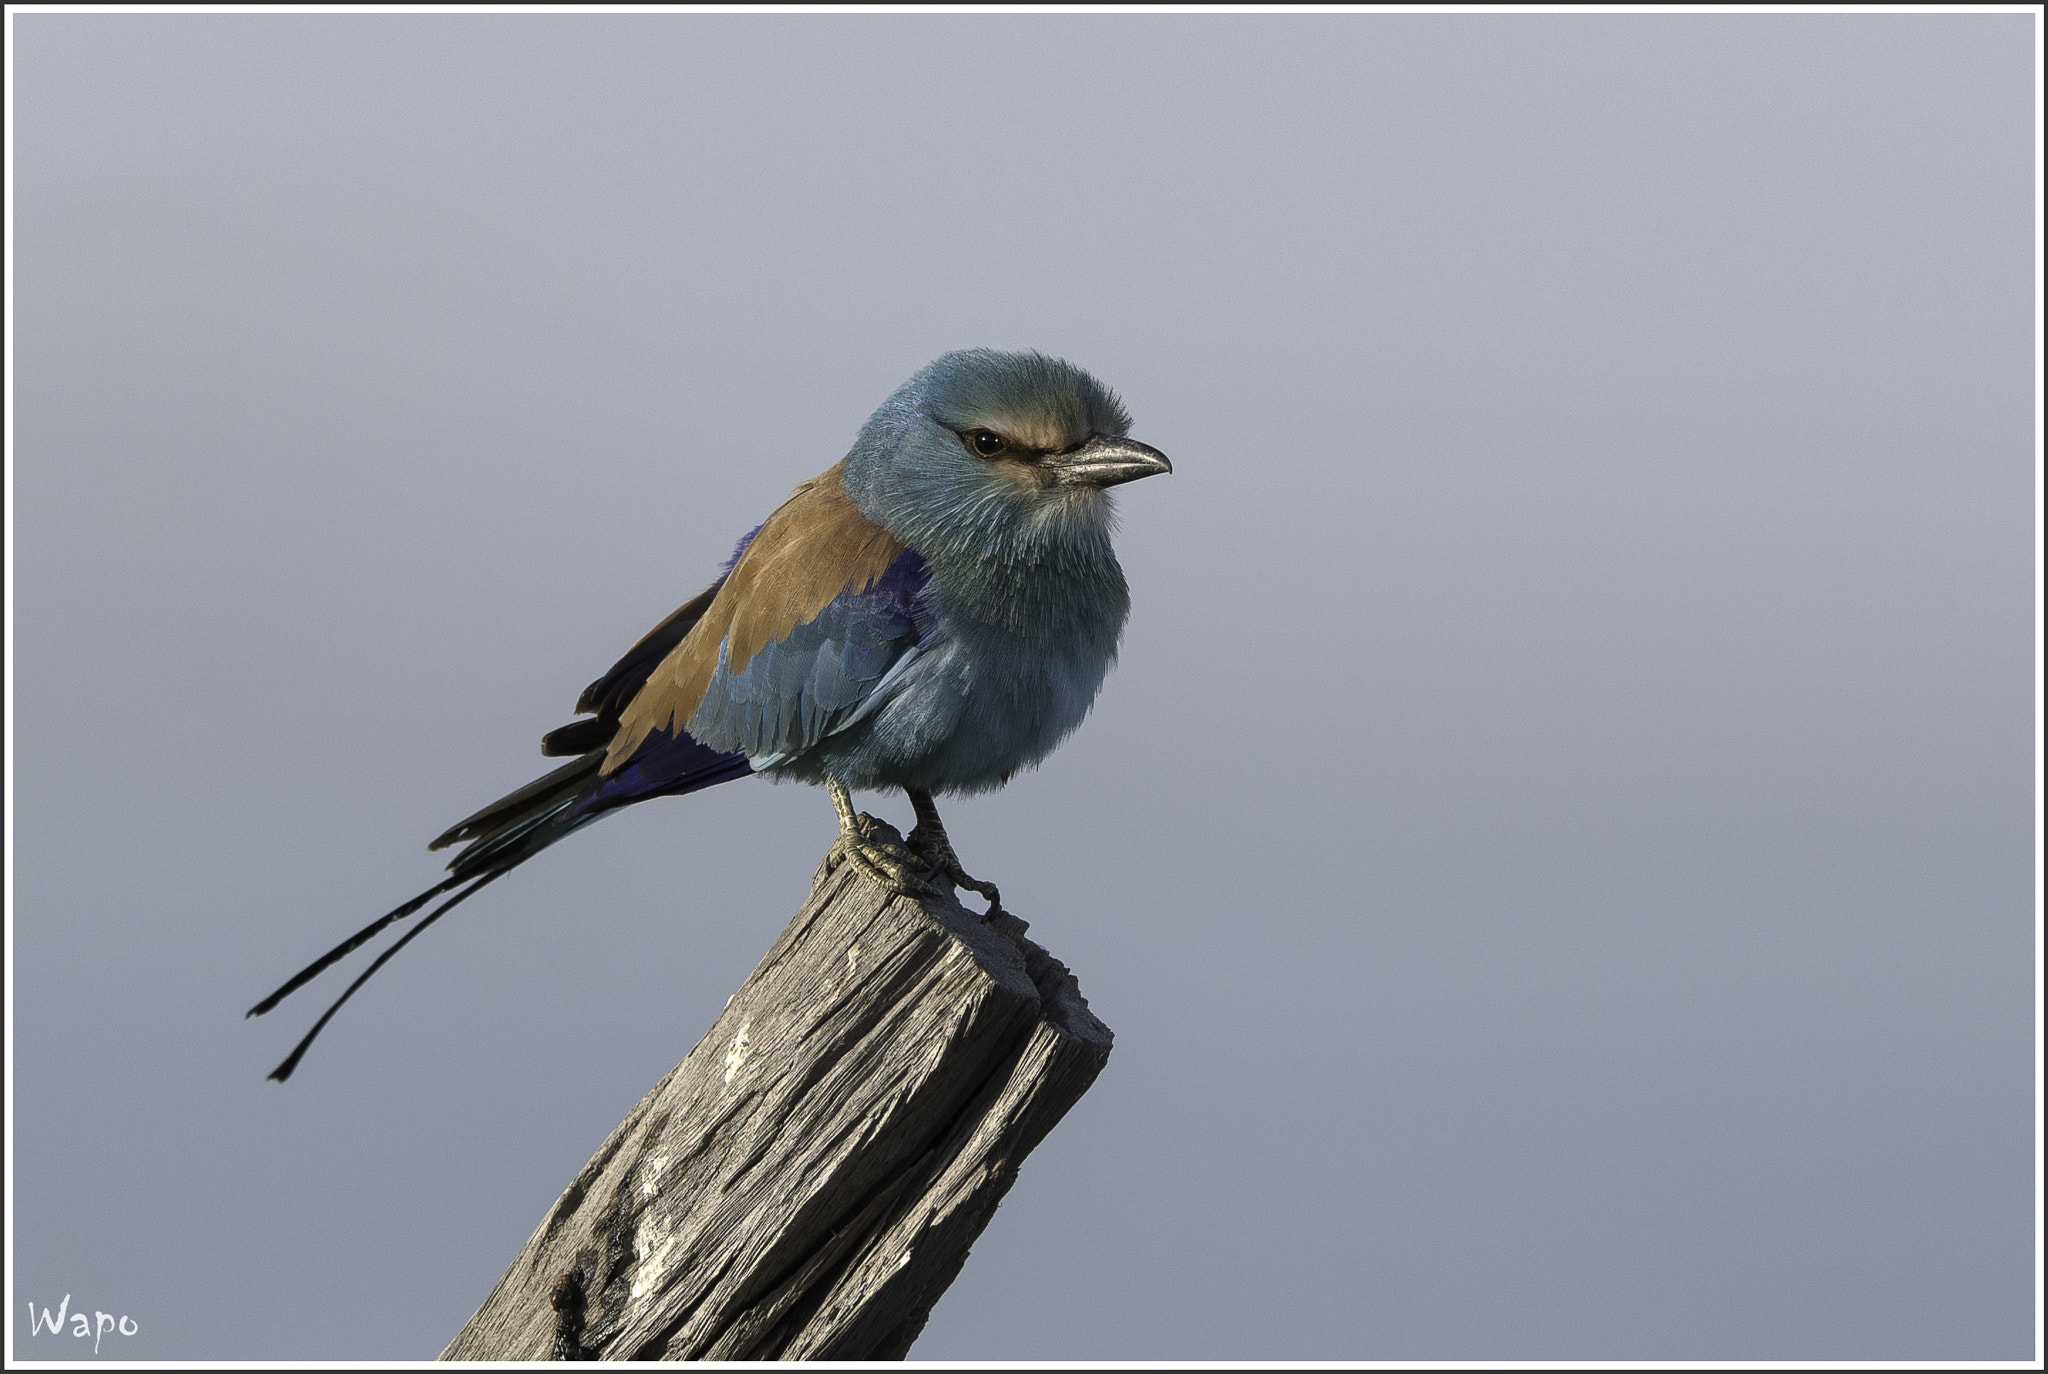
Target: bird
x,y
931,614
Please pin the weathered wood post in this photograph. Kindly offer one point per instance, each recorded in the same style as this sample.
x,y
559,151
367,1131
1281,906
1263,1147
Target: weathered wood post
x,y
807,1182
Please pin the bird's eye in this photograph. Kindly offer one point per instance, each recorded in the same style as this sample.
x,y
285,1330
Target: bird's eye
x,y
985,443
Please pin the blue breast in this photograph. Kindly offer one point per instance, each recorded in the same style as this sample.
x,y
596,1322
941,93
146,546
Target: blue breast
x,y
980,700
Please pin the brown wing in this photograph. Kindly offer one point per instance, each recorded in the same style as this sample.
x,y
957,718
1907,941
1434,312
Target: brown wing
x,y
816,546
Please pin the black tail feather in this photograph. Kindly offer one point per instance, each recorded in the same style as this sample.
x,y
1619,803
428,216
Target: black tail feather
x,y
520,824
291,1061
516,841
546,789
504,835
349,946
579,737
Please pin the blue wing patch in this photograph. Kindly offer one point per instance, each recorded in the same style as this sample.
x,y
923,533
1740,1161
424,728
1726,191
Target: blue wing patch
x,y
826,675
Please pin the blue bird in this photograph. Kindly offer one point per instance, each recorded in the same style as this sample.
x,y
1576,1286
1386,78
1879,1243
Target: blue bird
x,y
932,613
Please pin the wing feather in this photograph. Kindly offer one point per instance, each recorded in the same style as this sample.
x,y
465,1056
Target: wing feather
x,y
753,673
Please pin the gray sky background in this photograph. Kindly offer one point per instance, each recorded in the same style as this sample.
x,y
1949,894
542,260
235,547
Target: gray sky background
x,y
1556,853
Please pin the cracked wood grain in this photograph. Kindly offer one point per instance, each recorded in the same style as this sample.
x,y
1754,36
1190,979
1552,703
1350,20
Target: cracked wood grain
x,y
808,1181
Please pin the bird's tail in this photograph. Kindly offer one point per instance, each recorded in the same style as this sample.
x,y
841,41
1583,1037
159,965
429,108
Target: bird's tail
x,y
291,1061
519,825
512,830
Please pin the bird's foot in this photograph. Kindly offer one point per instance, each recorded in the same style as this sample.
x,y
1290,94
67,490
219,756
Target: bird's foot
x,y
874,855
931,845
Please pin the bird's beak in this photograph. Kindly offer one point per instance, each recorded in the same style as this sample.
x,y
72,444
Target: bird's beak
x,y
1104,462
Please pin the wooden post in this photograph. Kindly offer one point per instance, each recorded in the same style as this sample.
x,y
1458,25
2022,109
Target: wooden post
x,y
807,1182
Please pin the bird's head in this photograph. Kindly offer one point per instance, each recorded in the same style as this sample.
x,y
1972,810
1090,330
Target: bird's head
x,y
987,452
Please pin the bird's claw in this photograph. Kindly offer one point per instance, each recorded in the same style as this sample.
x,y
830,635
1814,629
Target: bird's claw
x,y
885,861
902,866
936,850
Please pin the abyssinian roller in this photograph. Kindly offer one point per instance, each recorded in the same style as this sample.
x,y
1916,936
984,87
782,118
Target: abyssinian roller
x,y
932,613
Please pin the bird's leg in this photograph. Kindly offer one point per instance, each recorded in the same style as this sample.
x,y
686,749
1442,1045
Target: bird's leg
x,y
928,841
888,863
